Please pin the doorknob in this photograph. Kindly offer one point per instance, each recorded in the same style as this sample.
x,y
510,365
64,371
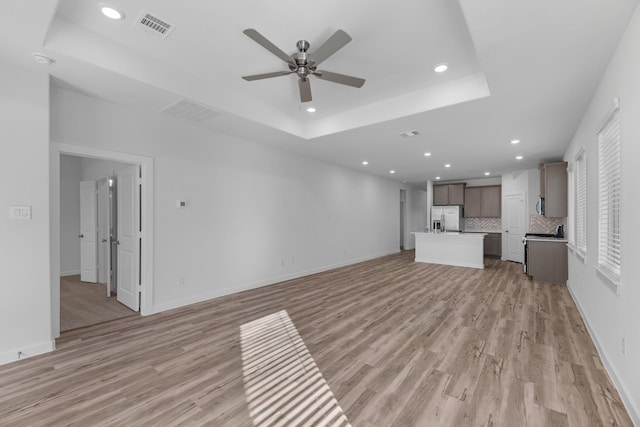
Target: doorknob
x,y
81,236
104,240
506,231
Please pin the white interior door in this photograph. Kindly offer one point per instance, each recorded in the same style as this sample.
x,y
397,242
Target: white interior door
x,y
515,227
128,241
88,232
104,228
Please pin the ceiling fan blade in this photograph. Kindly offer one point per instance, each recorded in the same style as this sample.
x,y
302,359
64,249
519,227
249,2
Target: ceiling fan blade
x,y
262,41
305,90
343,79
266,75
331,46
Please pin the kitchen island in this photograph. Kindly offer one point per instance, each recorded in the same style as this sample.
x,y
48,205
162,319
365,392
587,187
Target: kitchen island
x,y
451,248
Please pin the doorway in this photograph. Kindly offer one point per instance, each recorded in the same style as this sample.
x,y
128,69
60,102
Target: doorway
x,y
403,197
89,212
142,229
514,227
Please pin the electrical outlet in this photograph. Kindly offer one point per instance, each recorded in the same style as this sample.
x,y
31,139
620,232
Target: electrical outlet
x,y
624,347
282,262
293,260
181,281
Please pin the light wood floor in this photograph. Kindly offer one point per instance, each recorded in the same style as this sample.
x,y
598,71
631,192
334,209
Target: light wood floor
x,y
83,304
398,344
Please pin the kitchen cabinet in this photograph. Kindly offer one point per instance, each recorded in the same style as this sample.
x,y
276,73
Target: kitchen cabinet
x,y
553,188
482,202
493,245
547,261
448,194
472,202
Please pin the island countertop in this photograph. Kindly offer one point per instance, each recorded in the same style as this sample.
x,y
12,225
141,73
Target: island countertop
x,y
450,248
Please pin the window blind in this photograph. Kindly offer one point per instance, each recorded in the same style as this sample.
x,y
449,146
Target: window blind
x,y
581,204
609,195
571,202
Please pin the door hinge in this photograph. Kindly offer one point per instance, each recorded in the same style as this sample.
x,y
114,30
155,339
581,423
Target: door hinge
x,y
139,289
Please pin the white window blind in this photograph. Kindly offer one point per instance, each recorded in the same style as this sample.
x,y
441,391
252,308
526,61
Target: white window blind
x,y
609,195
581,204
571,205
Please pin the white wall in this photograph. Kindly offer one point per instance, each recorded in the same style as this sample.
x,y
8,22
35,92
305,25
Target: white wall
x,y
254,214
416,212
24,180
70,177
610,316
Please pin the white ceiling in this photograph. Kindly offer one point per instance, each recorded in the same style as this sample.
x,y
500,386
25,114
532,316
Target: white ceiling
x,y
517,69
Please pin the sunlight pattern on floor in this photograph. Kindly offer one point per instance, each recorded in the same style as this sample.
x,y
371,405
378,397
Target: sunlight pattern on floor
x,y
283,385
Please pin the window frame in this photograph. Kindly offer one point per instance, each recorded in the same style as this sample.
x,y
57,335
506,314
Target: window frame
x,y
609,141
581,203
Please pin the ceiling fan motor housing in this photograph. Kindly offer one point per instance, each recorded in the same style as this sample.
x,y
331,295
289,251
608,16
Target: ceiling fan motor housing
x,y
301,62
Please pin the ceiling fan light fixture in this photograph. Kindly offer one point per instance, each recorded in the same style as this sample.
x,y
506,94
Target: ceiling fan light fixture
x,y
440,68
112,13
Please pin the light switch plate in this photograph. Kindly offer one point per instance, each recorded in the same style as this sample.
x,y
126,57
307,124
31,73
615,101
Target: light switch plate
x,y
20,212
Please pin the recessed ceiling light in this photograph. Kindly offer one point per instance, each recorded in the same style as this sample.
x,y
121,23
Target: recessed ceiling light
x,y
392,171
365,163
447,165
441,68
515,141
311,110
112,13
519,157
437,177
487,173
427,154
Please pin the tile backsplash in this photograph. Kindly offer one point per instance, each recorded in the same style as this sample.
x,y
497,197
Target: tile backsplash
x,y
543,224
493,225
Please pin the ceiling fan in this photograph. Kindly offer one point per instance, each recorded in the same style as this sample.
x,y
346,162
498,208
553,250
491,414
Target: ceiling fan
x,y
305,64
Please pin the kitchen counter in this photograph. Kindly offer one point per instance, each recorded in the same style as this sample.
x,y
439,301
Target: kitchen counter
x,y
546,239
450,248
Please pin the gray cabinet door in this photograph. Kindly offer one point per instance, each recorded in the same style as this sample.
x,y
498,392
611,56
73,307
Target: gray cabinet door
x,y
493,245
440,195
472,202
555,201
490,202
547,261
456,194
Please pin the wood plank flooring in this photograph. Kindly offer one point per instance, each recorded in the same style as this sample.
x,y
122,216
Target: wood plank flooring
x,y
398,343
84,304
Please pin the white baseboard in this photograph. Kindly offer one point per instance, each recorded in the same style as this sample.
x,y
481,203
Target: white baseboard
x,y
69,273
25,352
157,308
633,411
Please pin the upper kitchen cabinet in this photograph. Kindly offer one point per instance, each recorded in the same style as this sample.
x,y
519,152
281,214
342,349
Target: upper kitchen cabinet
x,y
448,194
482,202
472,202
553,188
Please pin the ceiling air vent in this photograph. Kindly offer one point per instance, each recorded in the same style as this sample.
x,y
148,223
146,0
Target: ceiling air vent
x,y
189,110
409,133
153,24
